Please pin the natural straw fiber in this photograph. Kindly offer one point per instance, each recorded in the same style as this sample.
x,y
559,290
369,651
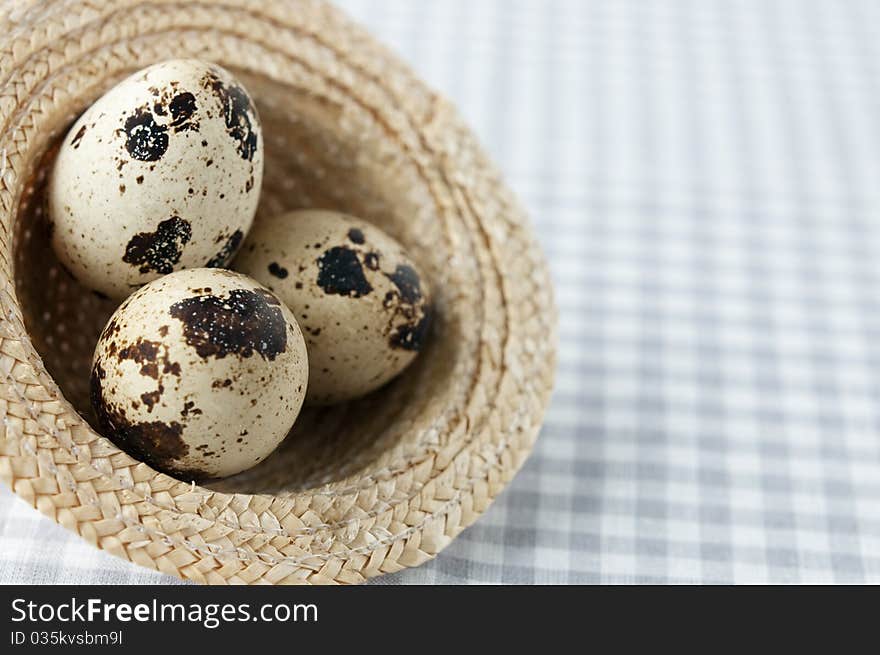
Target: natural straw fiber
x,y
358,490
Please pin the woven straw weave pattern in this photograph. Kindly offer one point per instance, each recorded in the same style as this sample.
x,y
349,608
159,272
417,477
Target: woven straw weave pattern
x,y
372,487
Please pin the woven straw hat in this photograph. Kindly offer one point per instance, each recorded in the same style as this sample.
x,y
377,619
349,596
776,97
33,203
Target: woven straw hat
x,y
358,490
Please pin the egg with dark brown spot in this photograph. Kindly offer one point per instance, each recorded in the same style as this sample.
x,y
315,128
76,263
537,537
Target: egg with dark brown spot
x,y
161,173
180,372
362,302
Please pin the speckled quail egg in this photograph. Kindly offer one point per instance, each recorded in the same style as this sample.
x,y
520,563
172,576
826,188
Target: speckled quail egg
x,y
200,374
162,173
363,305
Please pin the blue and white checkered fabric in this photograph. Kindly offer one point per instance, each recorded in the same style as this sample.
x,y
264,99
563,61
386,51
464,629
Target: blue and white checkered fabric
x,y
705,178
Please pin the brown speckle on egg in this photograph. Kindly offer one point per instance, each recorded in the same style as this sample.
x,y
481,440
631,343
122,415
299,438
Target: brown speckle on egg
x,y
227,252
183,108
277,271
143,352
340,272
411,336
242,323
146,140
78,137
238,113
371,261
159,251
152,397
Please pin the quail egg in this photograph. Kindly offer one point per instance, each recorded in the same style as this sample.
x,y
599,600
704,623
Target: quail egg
x,y
162,173
200,373
363,305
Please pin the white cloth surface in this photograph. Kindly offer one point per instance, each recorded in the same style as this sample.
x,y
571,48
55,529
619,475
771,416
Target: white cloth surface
x,y
704,176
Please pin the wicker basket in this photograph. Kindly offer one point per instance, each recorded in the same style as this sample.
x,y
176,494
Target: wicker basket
x,y
356,491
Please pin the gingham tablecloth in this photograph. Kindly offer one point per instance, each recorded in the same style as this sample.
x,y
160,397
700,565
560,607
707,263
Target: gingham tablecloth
x,y
705,179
